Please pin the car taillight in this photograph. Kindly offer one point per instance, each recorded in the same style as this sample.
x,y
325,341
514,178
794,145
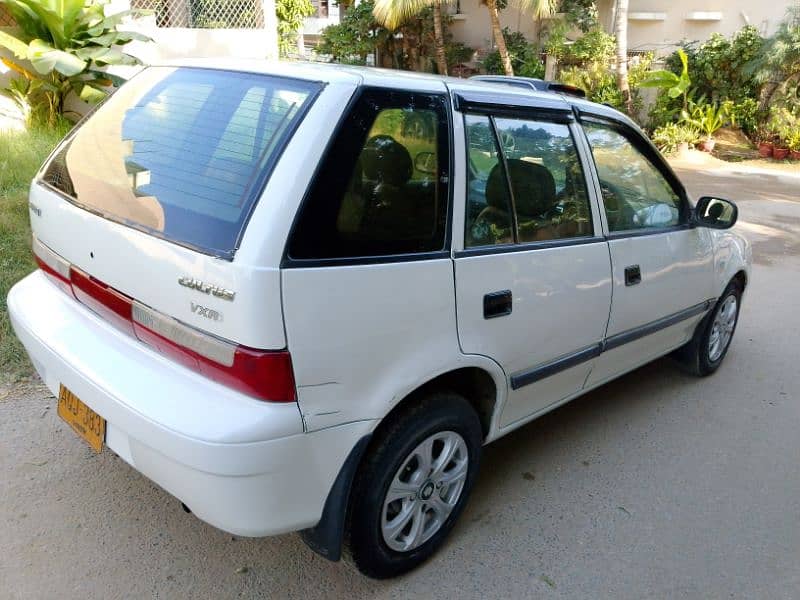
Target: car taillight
x,y
52,265
263,374
105,301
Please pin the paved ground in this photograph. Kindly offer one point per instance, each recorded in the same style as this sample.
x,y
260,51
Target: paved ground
x,y
655,486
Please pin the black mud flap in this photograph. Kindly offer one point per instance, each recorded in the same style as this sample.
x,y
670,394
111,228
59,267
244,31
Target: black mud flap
x,y
325,538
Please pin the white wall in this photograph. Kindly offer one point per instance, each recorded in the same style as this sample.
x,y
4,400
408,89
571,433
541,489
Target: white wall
x,y
473,28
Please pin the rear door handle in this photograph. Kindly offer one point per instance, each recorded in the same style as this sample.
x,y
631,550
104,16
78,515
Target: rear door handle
x,y
633,275
497,304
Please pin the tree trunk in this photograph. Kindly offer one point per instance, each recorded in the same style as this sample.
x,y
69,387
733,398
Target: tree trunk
x,y
497,32
438,35
621,33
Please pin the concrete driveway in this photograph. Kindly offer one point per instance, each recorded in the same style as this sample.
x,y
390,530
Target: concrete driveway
x,y
658,485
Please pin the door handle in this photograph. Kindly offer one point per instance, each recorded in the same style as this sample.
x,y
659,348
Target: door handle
x,y
633,275
497,304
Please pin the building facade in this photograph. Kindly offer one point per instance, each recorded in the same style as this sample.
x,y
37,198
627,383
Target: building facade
x,y
661,25
657,25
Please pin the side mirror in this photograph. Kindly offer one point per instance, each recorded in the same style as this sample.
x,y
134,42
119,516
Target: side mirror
x,y
425,162
715,213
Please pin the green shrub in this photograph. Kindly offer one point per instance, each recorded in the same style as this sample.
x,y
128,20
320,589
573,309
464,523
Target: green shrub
x,y
668,137
746,115
596,45
457,53
719,65
355,37
525,57
596,78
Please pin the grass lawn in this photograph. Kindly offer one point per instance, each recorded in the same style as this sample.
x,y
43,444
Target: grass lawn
x,y
21,155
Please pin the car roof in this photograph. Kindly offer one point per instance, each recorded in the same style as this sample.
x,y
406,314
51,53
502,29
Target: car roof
x,y
499,91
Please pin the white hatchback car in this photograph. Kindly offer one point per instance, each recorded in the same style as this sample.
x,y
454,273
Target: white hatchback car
x,y
302,297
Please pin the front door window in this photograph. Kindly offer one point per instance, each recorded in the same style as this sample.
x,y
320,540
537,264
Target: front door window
x,y
635,193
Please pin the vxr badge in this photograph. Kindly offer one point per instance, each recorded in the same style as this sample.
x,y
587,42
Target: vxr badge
x,y
208,313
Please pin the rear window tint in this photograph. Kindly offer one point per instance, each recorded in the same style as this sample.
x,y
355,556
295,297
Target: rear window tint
x,y
182,153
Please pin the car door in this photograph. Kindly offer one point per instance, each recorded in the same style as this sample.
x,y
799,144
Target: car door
x,y
662,265
533,276
367,279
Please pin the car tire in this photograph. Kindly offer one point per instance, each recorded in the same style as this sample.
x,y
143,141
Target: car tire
x,y
405,497
705,352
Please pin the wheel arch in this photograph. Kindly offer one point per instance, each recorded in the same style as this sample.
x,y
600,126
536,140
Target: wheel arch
x,y
476,384
483,386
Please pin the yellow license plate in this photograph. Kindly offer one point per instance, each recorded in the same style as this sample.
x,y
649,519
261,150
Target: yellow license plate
x,y
83,420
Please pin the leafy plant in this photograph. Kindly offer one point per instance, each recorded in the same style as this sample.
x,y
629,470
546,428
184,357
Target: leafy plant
x,y
674,85
355,37
598,80
291,14
580,13
707,117
793,140
62,46
782,125
746,115
596,45
779,58
525,57
668,137
457,53
718,65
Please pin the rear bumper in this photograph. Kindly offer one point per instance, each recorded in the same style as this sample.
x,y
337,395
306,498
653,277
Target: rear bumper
x,y
242,465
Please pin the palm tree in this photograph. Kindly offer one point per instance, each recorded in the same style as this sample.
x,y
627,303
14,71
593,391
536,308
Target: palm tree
x,y
539,9
621,33
393,13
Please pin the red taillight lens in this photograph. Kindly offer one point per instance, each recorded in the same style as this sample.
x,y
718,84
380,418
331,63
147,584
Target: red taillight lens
x,y
263,374
256,372
105,301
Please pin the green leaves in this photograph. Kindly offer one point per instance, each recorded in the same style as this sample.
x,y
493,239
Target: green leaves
x,y
675,85
66,42
46,59
17,47
706,117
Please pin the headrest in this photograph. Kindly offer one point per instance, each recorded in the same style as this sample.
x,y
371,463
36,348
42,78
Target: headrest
x,y
384,160
533,184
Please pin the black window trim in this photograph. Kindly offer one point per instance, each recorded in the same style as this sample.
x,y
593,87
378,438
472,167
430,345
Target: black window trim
x,y
513,105
651,154
288,262
516,245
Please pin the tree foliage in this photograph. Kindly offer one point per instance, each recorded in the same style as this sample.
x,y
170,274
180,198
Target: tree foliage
x,y
580,13
719,65
525,57
356,36
291,14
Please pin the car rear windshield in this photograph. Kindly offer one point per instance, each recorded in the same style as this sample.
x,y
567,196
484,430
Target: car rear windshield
x,y
182,153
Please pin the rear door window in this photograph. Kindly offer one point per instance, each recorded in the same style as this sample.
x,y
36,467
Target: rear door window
x,y
382,187
526,183
182,153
